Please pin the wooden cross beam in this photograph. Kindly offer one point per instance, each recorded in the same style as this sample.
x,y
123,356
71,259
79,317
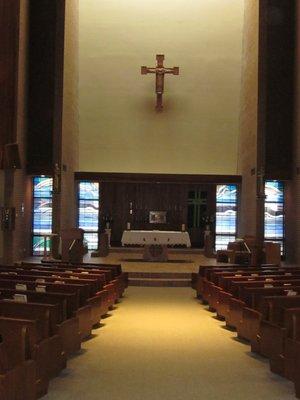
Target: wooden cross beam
x,y
160,72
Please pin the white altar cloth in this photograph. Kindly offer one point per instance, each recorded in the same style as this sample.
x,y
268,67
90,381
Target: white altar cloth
x,y
165,238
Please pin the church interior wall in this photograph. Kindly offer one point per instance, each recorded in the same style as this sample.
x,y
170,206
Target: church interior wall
x,y
70,116
16,184
247,150
197,132
293,186
128,202
2,203
21,181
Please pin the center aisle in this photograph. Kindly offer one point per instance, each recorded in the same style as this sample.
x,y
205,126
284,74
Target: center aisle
x,y
162,344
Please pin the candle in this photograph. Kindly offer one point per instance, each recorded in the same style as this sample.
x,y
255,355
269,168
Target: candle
x,y
183,227
128,226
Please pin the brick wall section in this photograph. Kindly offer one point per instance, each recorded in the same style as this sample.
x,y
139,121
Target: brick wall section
x,y
248,119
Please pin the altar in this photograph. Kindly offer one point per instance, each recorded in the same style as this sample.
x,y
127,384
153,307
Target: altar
x,y
155,243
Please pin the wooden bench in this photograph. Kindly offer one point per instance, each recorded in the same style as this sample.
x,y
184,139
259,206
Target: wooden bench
x,y
47,317
65,324
18,373
96,299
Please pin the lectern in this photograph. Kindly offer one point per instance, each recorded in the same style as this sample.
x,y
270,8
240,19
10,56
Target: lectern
x,y
72,249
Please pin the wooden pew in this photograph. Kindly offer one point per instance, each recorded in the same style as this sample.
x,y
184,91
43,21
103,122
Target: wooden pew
x,y
112,286
284,362
96,299
67,326
271,336
56,300
48,320
236,304
96,279
264,306
230,284
83,311
115,269
206,272
18,380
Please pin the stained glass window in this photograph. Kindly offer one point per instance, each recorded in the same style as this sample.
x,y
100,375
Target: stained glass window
x,y
226,215
274,212
88,211
42,212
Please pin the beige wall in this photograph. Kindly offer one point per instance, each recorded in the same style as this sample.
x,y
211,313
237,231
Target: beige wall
x,y
70,115
247,150
119,129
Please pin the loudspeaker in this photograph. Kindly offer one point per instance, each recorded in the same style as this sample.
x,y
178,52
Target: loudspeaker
x,y
11,156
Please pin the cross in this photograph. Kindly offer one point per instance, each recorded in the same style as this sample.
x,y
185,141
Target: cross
x,y
160,72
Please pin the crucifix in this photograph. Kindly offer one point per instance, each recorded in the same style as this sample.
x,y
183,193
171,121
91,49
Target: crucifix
x,y
160,72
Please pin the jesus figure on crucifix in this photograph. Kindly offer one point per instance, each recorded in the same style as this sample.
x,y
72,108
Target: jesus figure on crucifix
x,y
160,72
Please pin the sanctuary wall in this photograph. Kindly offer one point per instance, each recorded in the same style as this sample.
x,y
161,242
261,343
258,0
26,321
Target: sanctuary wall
x,y
247,149
197,132
69,146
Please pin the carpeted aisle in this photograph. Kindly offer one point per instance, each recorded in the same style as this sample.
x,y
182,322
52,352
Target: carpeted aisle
x,y
162,344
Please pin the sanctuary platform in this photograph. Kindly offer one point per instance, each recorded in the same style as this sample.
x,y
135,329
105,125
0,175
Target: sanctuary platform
x,y
176,272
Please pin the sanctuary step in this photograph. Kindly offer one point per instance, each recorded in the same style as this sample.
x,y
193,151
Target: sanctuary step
x,y
166,279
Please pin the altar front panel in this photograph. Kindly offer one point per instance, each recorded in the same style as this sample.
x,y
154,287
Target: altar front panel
x,y
165,238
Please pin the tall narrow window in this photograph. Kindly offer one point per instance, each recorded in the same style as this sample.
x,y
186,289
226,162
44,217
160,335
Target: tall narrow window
x,y
42,212
274,212
88,211
226,215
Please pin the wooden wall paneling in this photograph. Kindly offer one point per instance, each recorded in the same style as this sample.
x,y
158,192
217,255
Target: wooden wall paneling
x,y
277,85
9,50
162,178
145,197
46,46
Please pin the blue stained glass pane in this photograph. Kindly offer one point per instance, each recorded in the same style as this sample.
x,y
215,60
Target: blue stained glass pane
x,y
226,193
42,187
274,191
92,240
88,212
222,241
38,245
42,212
42,215
274,220
225,219
274,212
88,215
88,190
226,214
